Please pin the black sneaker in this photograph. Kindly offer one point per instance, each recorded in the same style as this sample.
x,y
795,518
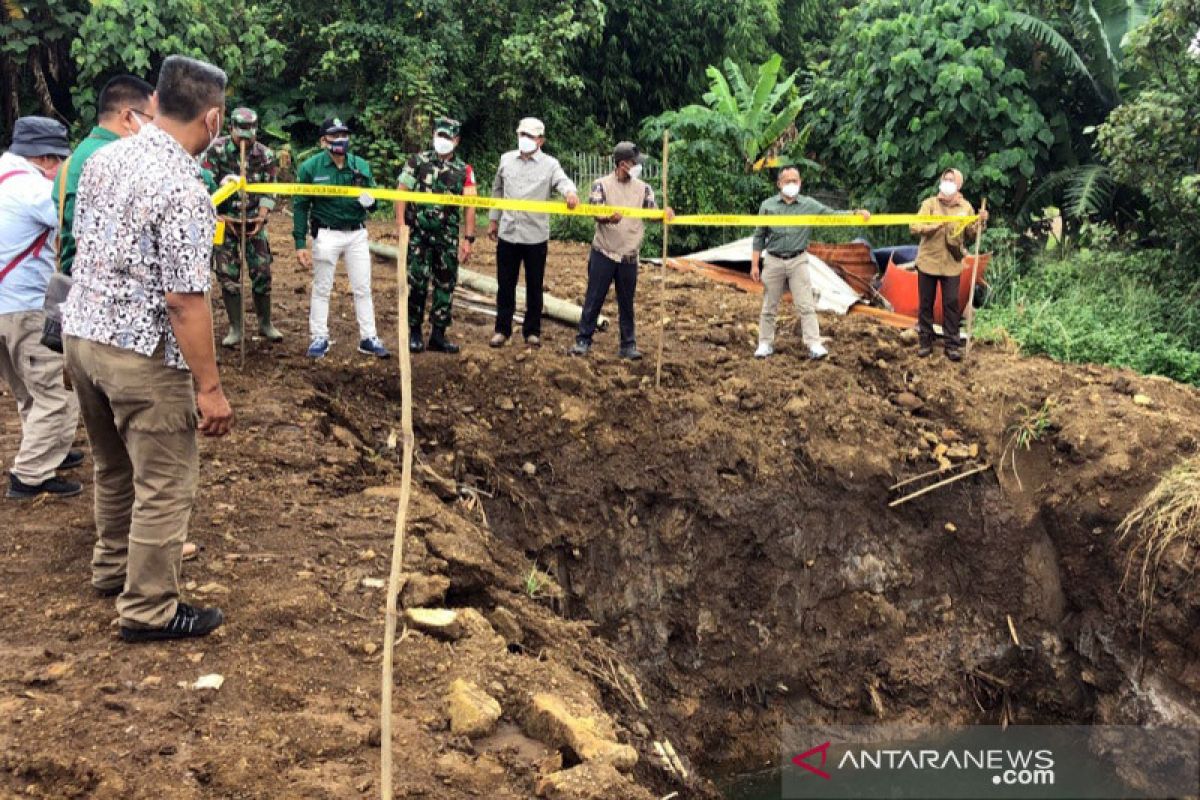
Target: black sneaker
x,y
924,350
74,459
954,354
18,490
631,352
109,591
188,622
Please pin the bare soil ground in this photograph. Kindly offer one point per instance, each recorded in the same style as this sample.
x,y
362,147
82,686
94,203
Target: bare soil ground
x,y
697,564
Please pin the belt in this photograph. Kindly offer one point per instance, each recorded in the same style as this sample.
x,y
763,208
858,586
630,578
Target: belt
x,y
786,256
355,226
622,260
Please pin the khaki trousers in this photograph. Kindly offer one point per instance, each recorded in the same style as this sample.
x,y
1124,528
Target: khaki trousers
x,y
141,419
779,274
49,411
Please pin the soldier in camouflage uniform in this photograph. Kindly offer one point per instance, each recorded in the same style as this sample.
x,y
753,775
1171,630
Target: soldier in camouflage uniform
x,y
434,251
224,159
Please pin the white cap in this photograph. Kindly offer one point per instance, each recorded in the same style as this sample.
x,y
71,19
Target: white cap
x,y
532,126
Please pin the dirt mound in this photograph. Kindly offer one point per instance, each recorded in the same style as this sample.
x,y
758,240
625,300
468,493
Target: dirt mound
x,y
694,565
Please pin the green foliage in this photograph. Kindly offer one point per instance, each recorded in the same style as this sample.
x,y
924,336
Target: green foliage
x,y
134,36
1128,309
35,44
715,147
916,87
750,119
1152,142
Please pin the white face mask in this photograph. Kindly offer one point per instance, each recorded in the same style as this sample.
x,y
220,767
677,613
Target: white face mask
x,y
527,145
790,190
443,146
635,171
948,188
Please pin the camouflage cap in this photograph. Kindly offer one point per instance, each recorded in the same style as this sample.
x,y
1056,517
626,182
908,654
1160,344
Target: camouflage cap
x,y
243,120
448,126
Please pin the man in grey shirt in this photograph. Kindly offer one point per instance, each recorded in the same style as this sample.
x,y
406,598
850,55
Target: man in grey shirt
x,y
524,174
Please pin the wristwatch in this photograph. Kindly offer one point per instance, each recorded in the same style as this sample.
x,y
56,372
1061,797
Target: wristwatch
x,y
470,239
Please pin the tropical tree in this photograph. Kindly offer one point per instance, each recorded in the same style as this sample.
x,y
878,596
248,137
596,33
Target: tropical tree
x,y
36,72
754,120
1090,54
1152,142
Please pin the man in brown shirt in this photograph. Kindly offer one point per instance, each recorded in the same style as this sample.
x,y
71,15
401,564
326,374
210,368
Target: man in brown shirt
x,y
939,262
615,248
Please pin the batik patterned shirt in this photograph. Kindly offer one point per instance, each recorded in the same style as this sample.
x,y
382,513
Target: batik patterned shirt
x,y
143,228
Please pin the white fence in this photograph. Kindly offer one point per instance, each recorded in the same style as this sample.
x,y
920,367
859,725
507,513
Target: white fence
x,y
584,168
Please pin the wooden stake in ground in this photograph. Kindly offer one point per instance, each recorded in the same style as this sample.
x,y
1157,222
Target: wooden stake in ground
x,y
971,294
406,426
242,254
662,271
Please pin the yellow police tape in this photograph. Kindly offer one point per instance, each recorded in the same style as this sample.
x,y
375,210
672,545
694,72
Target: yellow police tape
x,y
586,210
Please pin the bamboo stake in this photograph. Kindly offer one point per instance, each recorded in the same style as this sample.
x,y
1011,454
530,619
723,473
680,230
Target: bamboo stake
x,y
971,293
242,252
939,485
915,478
662,268
389,635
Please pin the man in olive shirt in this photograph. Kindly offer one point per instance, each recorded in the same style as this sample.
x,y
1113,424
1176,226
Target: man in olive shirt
x,y
787,263
125,103
338,226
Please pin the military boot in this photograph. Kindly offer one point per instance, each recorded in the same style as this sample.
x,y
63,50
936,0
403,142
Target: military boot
x,y
416,342
438,343
262,307
233,308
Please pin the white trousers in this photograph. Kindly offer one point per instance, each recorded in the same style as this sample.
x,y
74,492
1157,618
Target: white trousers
x,y
327,248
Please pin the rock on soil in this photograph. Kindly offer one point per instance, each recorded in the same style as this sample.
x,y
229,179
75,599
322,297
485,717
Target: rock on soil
x,y
473,712
588,733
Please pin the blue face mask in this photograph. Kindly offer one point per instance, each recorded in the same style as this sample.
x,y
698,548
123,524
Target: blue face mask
x,y
339,146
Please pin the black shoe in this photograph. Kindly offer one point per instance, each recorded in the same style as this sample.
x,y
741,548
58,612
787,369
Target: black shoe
x,y
954,354
581,348
416,342
56,486
631,352
924,350
438,343
109,591
74,459
188,622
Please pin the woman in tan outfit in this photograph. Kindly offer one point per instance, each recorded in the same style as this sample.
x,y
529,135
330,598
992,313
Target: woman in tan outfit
x,y
940,262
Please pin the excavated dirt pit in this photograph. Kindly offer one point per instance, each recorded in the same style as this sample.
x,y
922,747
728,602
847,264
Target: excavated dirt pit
x,y
700,564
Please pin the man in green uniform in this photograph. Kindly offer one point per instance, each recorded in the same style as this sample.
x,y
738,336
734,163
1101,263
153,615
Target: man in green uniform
x,y
434,251
786,266
125,103
224,160
338,226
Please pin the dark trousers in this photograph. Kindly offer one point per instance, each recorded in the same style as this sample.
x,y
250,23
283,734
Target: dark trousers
x,y
602,271
927,287
509,257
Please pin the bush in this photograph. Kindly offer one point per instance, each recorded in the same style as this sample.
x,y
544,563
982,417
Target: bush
x,y
1126,309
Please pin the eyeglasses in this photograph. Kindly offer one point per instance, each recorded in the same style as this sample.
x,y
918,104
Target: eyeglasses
x,y
142,114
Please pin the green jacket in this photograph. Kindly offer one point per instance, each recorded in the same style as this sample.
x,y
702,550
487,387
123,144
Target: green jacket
x,y
99,137
787,240
329,211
